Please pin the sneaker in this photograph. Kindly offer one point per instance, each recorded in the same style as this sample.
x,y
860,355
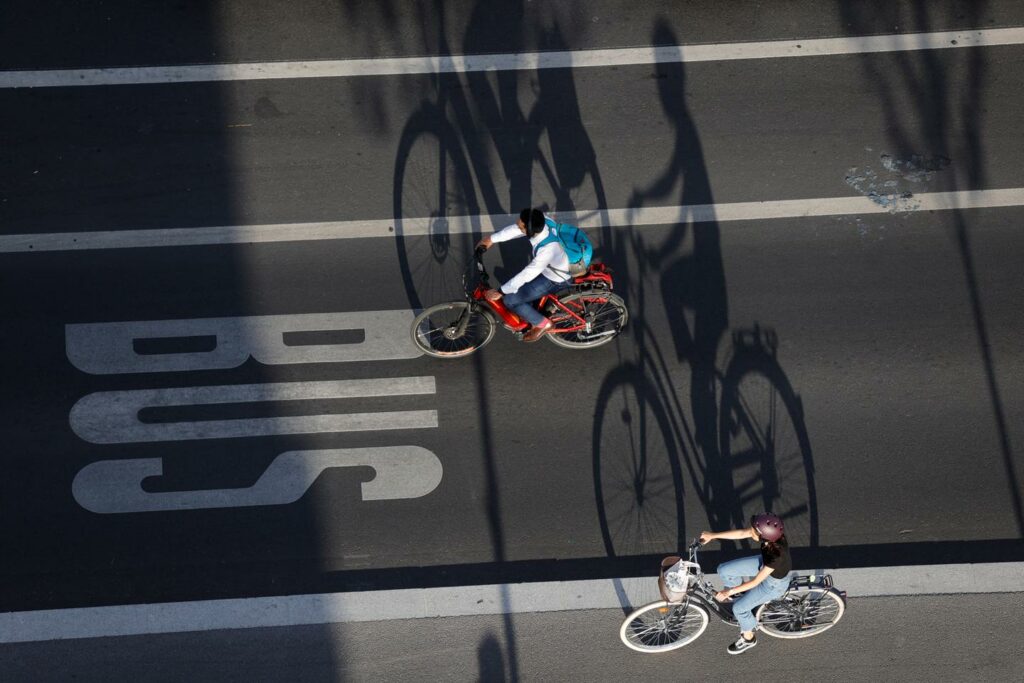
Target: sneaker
x,y
742,645
537,331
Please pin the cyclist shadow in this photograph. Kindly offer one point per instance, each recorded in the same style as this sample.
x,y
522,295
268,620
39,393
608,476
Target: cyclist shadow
x,y
446,194
446,184
729,445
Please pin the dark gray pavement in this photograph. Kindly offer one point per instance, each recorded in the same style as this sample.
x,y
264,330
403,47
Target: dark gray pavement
x,y
876,336
211,154
887,424
955,638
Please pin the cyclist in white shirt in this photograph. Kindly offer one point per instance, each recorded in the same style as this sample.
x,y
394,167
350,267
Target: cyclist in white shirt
x,y
546,273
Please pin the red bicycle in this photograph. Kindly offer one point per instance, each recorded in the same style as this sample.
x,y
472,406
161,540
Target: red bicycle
x,y
587,314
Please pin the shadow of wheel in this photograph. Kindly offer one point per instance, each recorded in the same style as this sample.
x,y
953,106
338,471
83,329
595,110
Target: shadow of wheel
x,y
435,211
638,484
764,440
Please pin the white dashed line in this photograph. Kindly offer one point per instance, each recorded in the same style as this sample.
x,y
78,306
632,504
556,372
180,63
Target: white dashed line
x,y
814,47
614,218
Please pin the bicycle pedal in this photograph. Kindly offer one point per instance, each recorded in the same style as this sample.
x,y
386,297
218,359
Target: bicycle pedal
x,y
518,335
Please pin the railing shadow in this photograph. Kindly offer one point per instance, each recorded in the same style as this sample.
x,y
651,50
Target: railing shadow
x,y
490,660
940,113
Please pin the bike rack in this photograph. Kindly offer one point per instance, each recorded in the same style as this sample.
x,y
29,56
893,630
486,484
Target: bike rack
x,y
809,580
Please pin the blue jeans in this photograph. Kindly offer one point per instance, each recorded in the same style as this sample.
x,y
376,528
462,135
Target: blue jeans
x,y
521,303
735,572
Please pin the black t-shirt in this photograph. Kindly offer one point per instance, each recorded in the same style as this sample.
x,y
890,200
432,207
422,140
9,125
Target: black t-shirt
x,y
780,565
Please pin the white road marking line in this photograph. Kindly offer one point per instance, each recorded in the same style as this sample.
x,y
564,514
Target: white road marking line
x,y
110,348
327,608
615,218
813,47
108,417
115,486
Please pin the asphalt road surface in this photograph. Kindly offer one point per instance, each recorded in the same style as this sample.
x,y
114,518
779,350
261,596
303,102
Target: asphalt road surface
x,y
234,420
956,638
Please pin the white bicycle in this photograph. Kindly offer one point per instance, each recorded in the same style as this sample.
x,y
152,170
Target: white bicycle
x,y
811,605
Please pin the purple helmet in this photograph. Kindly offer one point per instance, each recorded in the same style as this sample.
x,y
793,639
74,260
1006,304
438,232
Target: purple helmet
x,y
768,526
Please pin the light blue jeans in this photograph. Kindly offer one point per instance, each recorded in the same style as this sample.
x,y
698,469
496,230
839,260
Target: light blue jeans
x,y
735,572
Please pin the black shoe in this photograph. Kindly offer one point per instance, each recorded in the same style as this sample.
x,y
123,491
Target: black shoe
x,y
742,645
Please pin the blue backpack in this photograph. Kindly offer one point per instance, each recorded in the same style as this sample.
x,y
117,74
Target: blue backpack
x,y
574,241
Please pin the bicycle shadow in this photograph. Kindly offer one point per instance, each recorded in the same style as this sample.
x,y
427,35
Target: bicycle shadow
x,y
737,443
448,191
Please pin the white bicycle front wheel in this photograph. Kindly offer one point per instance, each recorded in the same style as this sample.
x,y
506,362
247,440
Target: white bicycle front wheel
x,y
662,626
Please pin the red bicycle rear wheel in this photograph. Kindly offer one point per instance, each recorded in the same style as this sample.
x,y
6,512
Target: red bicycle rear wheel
x,y
592,318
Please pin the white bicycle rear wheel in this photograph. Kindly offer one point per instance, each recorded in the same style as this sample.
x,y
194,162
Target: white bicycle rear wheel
x,y
801,613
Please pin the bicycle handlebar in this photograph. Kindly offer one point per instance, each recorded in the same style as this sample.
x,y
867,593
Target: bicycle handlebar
x,y
478,258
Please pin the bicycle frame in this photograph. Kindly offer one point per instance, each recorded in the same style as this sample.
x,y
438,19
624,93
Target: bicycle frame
x,y
701,590
598,276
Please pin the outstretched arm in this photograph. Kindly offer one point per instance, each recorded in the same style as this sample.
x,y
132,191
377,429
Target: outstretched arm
x,y
507,233
733,535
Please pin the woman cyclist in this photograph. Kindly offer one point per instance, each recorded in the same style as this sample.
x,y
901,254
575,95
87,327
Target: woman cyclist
x,y
761,578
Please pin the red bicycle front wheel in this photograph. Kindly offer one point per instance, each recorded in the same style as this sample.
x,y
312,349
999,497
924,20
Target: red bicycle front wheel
x,y
452,330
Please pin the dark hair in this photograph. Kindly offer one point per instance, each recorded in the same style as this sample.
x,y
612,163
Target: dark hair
x,y
772,550
533,219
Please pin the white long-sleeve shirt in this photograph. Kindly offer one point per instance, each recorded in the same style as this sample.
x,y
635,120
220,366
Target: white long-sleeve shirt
x,y
549,261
